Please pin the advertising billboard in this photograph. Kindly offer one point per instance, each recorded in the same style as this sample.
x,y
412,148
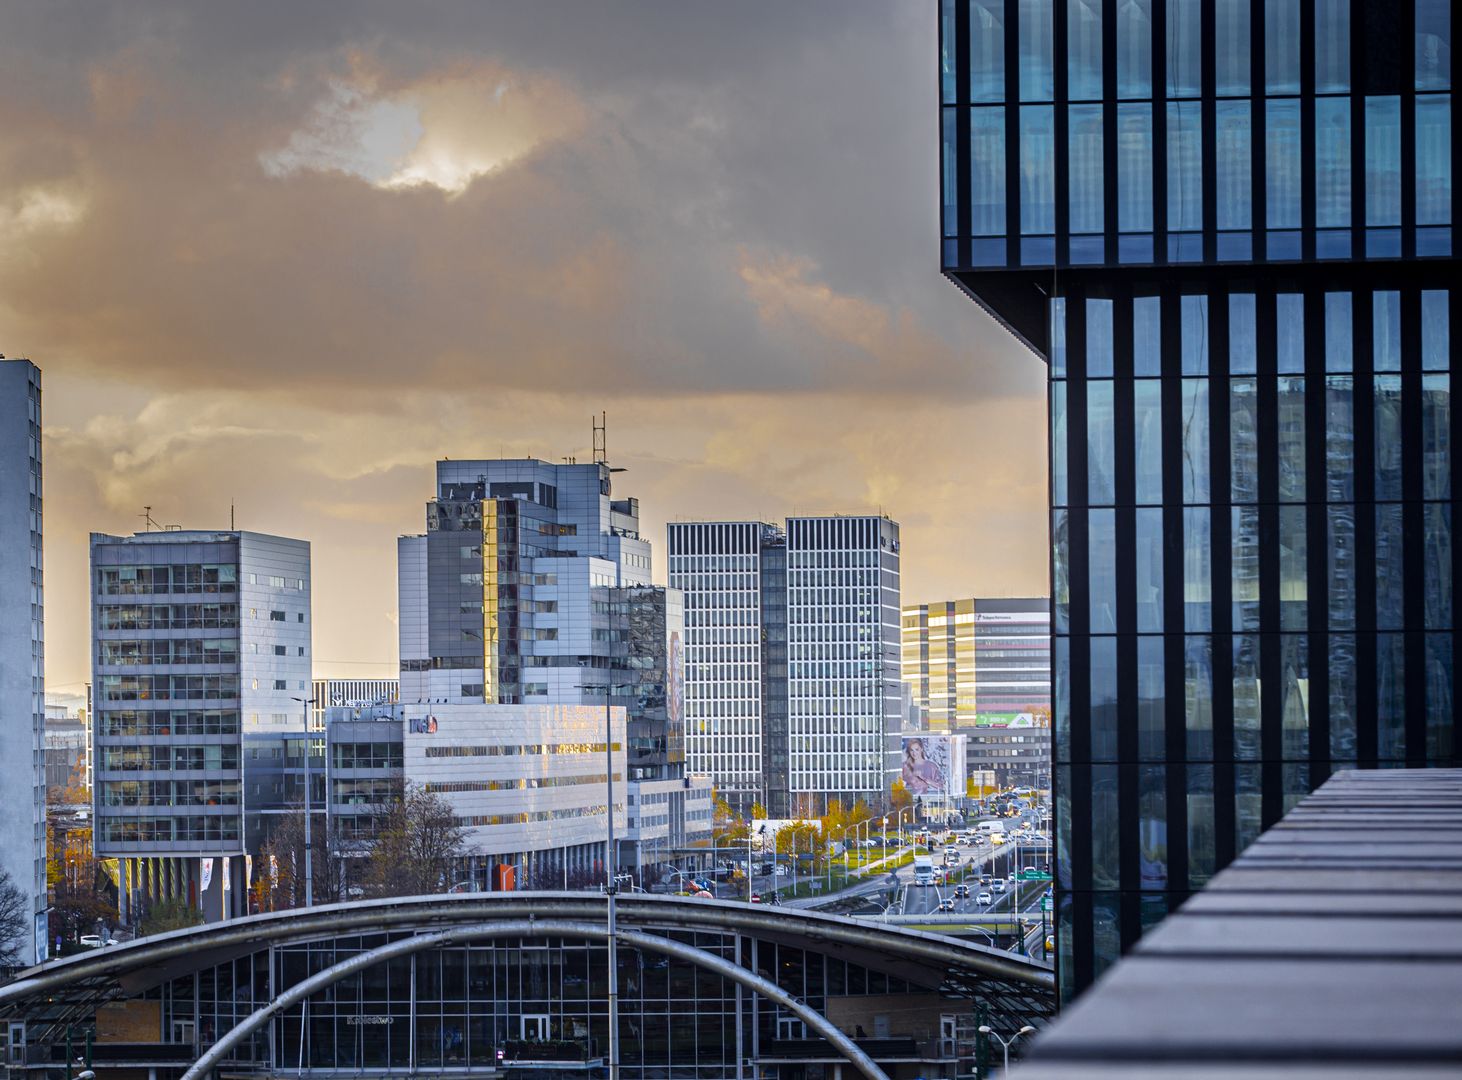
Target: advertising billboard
x,y
933,765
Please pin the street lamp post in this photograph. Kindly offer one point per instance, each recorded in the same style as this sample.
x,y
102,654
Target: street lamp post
x,y
1005,1044
305,704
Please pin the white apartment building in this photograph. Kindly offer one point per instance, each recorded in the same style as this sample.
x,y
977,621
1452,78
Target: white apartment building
x,y
23,647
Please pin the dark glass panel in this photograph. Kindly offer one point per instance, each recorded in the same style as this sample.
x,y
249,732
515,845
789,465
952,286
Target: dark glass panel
x,y
1340,556
1245,560
1383,161
987,168
1134,168
1147,436
1247,745
1437,579
1198,696
1342,697
1104,699
1434,159
1332,46
1037,82
1152,821
1185,48
1149,570
1151,726
1106,860
1391,696
1232,47
1185,166
1102,556
1436,437
1087,177
1282,163
1202,836
987,50
1084,50
1134,49
1390,568
1147,336
1235,181
1037,170
1059,486
1433,45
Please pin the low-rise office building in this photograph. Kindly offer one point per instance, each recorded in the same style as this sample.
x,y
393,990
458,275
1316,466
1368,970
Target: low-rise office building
x,y
528,783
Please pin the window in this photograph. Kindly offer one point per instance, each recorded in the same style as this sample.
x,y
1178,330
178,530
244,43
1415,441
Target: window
x,y
279,684
276,616
987,50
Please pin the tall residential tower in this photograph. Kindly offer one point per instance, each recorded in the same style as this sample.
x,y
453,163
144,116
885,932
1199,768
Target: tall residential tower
x,y
22,649
1227,228
201,684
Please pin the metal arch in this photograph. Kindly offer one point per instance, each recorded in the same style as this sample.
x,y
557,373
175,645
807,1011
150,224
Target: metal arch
x,y
815,929
534,928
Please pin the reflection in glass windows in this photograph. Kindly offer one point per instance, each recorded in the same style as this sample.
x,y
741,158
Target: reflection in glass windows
x,y
987,50
1102,570
1084,50
1149,545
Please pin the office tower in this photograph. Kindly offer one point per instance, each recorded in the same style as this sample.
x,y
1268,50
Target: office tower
x,y
532,586
733,575
793,694
982,668
1226,226
22,647
201,675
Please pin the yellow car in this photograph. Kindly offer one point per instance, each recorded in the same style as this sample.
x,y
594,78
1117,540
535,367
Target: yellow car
x,y
1050,945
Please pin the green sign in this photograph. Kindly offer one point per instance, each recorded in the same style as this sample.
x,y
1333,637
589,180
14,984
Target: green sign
x,y
1033,875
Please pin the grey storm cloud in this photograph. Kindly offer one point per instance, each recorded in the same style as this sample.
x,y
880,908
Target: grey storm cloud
x,y
286,254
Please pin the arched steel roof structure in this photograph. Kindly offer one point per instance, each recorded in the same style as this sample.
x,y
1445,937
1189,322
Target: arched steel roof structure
x,y
557,927
65,991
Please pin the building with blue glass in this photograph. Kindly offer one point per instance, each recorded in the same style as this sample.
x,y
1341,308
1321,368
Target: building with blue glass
x,y
1226,226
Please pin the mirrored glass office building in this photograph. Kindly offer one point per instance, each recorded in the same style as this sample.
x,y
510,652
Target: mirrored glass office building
x,y
1226,225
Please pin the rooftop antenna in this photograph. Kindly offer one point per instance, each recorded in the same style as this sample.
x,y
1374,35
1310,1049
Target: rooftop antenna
x,y
230,516
146,516
601,439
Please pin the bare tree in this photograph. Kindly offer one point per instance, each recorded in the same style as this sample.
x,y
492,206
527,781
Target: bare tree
x,y
417,848
279,871
16,921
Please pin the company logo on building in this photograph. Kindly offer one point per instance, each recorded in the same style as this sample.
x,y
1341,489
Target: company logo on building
x,y
424,726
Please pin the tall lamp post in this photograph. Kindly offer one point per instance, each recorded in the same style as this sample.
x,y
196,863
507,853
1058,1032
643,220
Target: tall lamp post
x,y
1006,1044
305,704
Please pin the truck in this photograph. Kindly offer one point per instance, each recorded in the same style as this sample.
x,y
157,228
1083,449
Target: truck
x,y
995,830
923,870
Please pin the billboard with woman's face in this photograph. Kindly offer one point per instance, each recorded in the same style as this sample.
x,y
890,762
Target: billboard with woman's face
x,y
928,769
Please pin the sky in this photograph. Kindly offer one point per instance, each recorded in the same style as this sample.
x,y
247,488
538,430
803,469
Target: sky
x,y
284,256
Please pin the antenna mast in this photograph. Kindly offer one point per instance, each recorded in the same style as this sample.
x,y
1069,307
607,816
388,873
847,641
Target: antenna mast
x,y
146,516
601,454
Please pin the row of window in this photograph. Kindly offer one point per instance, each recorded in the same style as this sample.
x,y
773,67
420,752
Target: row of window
x,y
171,793
134,722
168,687
1243,657
1130,127
1288,528
525,817
367,755
125,830
181,578
154,651
1182,48
527,783
525,749
1141,319
167,616
168,758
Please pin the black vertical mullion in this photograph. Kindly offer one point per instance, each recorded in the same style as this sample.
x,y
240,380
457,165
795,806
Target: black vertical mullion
x,y
1221,541
1174,641
1159,134
1357,129
1257,121
1061,133
1012,132
1454,315
1209,115
1364,419
964,176
1124,463
1078,541
1270,642
1317,569
1406,14
1307,133
1109,126
1413,523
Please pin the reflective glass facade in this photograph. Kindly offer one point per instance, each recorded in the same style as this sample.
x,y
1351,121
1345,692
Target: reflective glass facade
x,y
1245,297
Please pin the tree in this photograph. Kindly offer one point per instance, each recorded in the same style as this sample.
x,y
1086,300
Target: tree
x,y
175,914
17,920
417,848
279,870
758,812
801,837
898,795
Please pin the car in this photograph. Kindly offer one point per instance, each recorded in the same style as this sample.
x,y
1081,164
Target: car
x,y
985,879
984,897
94,941
947,904
999,885
962,892
1050,945
951,852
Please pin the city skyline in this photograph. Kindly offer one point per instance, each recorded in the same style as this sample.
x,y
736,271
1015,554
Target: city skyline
x,y
711,252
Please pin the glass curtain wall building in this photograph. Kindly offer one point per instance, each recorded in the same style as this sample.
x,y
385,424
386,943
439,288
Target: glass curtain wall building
x,y
1226,225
